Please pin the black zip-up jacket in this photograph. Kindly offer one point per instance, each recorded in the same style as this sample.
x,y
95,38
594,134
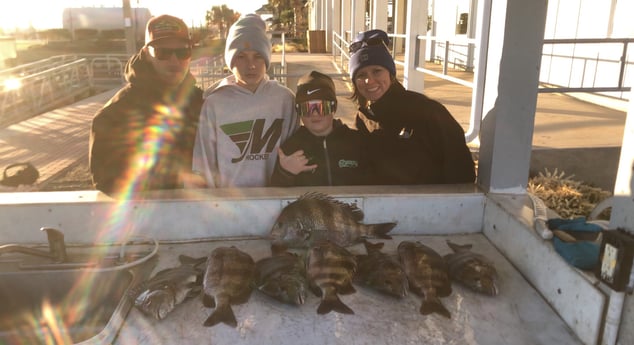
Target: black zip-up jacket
x,y
414,140
338,157
143,138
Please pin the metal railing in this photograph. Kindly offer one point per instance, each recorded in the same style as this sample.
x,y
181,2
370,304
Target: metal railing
x,y
586,77
24,96
590,64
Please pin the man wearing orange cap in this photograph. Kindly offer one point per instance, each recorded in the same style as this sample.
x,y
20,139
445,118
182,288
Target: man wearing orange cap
x,y
143,138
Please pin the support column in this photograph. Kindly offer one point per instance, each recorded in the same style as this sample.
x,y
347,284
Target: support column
x,y
130,40
623,208
379,15
510,95
357,18
414,49
327,8
399,16
346,23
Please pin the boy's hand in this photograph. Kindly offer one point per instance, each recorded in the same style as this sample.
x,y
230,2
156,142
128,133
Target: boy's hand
x,y
294,163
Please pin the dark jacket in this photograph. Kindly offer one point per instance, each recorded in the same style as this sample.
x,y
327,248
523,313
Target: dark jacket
x,y
414,140
337,155
143,138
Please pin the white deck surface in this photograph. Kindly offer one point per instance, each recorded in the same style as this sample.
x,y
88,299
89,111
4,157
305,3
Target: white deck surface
x,y
517,316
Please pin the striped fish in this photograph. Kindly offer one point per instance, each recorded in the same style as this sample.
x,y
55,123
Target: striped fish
x,y
228,281
282,277
159,295
471,269
381,271
427,276
316,217
330,270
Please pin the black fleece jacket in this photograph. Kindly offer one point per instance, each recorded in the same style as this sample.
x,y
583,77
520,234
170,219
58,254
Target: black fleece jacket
x,y
143,138
414,140
338,157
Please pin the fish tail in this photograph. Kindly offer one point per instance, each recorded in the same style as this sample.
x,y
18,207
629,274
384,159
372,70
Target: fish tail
x,y
458,247
224,314
433,305
331,302
381,230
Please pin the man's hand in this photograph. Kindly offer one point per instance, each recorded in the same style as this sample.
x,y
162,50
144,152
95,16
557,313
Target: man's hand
x,y
294,163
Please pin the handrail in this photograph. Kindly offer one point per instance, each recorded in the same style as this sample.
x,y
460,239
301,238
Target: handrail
x,y
477,85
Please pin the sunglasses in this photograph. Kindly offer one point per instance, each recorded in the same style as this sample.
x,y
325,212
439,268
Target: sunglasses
x,y
166,53
372,41
322,108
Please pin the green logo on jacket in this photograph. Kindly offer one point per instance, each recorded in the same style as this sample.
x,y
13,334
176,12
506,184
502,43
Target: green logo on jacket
x,y
254,143
343,163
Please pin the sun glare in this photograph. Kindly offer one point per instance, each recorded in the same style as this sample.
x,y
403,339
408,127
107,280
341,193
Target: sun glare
x,y
42,15
12,84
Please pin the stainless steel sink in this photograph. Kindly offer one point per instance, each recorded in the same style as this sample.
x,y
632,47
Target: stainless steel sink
x,y
66,303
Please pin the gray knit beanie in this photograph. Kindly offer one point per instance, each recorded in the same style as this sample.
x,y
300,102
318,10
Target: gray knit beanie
x,y
249,32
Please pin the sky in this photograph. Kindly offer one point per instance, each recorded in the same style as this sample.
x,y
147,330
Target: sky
x,y
47,14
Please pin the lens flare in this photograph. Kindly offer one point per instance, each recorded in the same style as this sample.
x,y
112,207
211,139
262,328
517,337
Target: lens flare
x,y
12,84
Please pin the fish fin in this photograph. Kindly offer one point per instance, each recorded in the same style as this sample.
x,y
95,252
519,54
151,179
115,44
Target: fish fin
x,y
278,248
333,303
444,291
381,230
209,301
346,289
433,305
223,314
315,289
243,297
458,247
372,247
194,291
352,209
188,260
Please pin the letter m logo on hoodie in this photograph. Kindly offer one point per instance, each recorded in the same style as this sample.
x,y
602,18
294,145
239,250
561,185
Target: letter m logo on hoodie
x,y
251,138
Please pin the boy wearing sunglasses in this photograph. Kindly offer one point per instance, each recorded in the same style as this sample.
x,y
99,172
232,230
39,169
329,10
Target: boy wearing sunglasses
x,y
246,116
324,151
143,138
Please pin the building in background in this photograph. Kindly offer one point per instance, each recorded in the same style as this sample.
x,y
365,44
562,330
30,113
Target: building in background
x,y
104,19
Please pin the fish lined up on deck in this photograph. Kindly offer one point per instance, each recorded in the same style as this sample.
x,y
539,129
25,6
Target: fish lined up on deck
x,y
160,294
229,280
427,276
473,270
381,271
330,269
283,277
316,217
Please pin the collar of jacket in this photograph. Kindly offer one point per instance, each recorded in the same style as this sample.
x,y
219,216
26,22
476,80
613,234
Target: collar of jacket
x,y
389,102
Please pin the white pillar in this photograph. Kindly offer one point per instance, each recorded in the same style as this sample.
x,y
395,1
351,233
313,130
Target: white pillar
x,y
510,95
345,19
414,50
623,207
399,15
379,14
357,17
327,10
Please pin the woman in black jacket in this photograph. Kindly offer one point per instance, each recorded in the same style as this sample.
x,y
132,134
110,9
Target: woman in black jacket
x,y
323,151
411,138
